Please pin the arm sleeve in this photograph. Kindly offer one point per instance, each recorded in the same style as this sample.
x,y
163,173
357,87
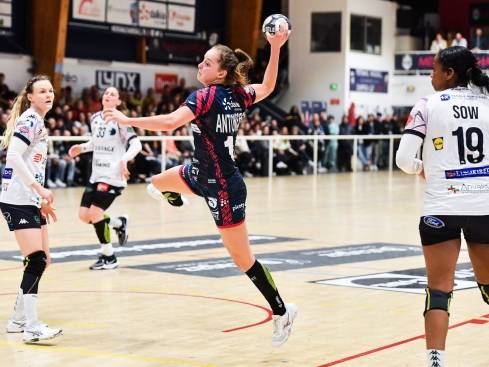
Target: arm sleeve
x,y
406,154
87,146
16,149
133,149
195,101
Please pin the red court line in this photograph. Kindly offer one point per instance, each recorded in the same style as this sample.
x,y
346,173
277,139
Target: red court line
x,y
405,341
263,321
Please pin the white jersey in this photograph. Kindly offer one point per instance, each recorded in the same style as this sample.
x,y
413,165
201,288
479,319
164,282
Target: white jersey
x,y
29,127
110,142
455,127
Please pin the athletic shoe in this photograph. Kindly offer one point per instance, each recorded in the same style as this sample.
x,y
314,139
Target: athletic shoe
x,y
173,198
122,232
15,326
60,183
40,332
282,325
105,263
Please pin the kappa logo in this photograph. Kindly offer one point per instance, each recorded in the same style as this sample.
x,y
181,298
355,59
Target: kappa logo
x,y
23,221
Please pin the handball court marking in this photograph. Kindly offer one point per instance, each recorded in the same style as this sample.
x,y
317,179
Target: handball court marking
x,y
476,321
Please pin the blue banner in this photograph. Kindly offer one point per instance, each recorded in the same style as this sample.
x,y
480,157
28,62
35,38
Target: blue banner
x,y
369,81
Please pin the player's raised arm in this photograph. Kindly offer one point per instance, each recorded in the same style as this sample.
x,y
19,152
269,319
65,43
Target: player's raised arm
x,y
166,122
276,41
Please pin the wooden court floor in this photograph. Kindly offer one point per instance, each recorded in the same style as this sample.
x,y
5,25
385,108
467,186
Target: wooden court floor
x,y
343,247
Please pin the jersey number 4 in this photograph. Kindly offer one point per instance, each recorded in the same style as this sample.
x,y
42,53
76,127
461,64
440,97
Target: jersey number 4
x,y
468,141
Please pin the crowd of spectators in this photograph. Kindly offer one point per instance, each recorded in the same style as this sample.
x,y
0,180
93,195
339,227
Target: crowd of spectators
x,y
71,116
478,41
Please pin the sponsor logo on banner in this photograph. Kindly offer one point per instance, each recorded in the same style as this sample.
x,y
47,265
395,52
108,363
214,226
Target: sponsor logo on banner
x,y
93,10
289,260
370,81
123,12
153,15
181,18
408,281
126,81
162,80
141,248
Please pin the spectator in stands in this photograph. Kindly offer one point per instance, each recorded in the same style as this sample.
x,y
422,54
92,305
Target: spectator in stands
x,y
364,146
300,148
244,158
185,147
479,42
294,118
459,40
317,128
332,147
345,147
439,43
6,95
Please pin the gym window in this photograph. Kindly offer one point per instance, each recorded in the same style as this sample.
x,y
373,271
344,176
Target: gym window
x,y
366,34
326,32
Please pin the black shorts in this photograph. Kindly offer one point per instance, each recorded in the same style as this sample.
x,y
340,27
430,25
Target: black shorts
x,y
439,228
22,216
100,194
227,202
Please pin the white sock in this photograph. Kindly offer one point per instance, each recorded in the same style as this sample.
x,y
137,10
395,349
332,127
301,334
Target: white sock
x,y
107,249
435,358
30,308
115,222
19,307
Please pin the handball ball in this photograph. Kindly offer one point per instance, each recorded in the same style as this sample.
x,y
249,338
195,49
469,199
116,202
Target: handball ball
x,y
273,22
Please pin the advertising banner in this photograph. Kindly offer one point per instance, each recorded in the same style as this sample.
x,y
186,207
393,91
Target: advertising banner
x,y
370,81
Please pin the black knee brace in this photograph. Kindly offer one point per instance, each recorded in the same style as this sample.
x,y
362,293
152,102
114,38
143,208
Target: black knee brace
x,y
437,300
34,266
484,288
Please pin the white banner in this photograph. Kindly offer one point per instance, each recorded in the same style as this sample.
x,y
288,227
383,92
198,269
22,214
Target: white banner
x,y
81,74
93,10
5,14
122,12
181,18
186,2
153,15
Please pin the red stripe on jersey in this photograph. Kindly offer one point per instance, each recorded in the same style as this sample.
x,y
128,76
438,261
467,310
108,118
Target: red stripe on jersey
x,y
223,199
210,98
199,98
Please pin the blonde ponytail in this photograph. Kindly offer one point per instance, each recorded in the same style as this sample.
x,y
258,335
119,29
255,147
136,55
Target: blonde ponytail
x,y
21,103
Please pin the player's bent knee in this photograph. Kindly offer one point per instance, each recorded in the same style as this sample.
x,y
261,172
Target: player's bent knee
x,y
35,263
437,300
484,288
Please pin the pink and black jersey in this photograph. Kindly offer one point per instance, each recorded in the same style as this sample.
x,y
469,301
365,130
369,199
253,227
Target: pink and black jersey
x,y
218,112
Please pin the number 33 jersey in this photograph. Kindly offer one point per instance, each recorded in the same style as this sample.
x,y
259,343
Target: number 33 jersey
x,y
109,145
454,125
218,112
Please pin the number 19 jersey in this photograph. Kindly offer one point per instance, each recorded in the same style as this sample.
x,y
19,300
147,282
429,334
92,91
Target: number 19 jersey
x,y
454,125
